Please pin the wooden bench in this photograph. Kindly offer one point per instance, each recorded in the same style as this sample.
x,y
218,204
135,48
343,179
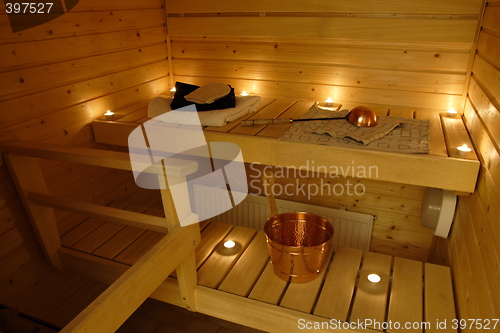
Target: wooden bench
x,y
342,296
441,168
239,287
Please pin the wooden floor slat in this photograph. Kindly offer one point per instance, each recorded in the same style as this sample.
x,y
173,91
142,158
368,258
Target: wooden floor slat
x,y
247,270
339,284
406,300
371,298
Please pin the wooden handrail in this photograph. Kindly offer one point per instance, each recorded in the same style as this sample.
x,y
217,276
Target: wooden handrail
x,y
96,157
108,312
134,219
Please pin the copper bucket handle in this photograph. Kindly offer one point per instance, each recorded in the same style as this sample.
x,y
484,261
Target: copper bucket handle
x,y
268,182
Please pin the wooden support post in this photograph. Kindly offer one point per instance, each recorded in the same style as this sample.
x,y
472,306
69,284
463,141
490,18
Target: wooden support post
x,y
28,177
108,312
186,272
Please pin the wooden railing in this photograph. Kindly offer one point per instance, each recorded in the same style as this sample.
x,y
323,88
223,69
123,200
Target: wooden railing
x,y
174,252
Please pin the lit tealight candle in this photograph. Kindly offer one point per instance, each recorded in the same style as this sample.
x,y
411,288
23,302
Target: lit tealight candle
x,y
229,244
452,112
329,102
374,278
172,91
109,115
244,93
463,150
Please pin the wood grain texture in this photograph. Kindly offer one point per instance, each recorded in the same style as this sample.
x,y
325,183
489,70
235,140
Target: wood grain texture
x,y
367,6
339,284
337,27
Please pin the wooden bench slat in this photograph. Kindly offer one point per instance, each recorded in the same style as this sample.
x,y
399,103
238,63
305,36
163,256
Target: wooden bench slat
x,y
295,111
213,234
437,143
405,304
108,229
140,247
120,241
371,298
439,302
218,265
339,284
456,135
269,288
265,101
301,296
402,112
247,270
271,111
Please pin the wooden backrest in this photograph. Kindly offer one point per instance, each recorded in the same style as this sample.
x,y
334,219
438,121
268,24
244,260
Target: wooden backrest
x,y
413,54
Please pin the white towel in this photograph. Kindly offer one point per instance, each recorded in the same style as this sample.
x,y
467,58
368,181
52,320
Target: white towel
x,y
244,106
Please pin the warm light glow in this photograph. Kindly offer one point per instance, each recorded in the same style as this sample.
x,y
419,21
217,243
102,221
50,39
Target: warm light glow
x,y
244,93
229,244
108,114
452,112
173,90
463,149
329,101
375,278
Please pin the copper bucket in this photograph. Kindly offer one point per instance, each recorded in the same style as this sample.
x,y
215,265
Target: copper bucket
x,y
298,244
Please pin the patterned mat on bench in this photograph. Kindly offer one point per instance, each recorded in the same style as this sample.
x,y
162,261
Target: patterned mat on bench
x,y
409,136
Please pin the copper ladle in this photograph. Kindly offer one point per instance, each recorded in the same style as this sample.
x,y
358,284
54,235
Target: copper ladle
x,y
360,116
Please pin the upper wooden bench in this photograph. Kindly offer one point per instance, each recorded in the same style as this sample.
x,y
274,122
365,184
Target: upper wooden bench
x,y
441,168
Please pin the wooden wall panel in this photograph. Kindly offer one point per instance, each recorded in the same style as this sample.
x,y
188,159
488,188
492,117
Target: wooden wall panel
x,y
408,30
475,238
397,228
56,78
370,6
412,55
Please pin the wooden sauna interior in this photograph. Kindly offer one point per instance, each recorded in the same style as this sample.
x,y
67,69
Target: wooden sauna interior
x,y
430,56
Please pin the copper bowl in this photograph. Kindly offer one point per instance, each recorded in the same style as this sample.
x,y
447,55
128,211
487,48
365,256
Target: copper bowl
x,y
362,116
298,244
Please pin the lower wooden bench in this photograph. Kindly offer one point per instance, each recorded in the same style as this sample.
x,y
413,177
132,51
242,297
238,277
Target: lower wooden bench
x,y
240,286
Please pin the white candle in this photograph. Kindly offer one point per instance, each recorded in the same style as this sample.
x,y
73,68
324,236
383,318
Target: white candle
x,y
374,278
329,102
109,115
463,150
452,112
172,91
244,93
229,244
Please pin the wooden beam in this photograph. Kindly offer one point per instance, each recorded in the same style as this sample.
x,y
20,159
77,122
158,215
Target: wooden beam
x,y
97,157
28,176
145,221
124,296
